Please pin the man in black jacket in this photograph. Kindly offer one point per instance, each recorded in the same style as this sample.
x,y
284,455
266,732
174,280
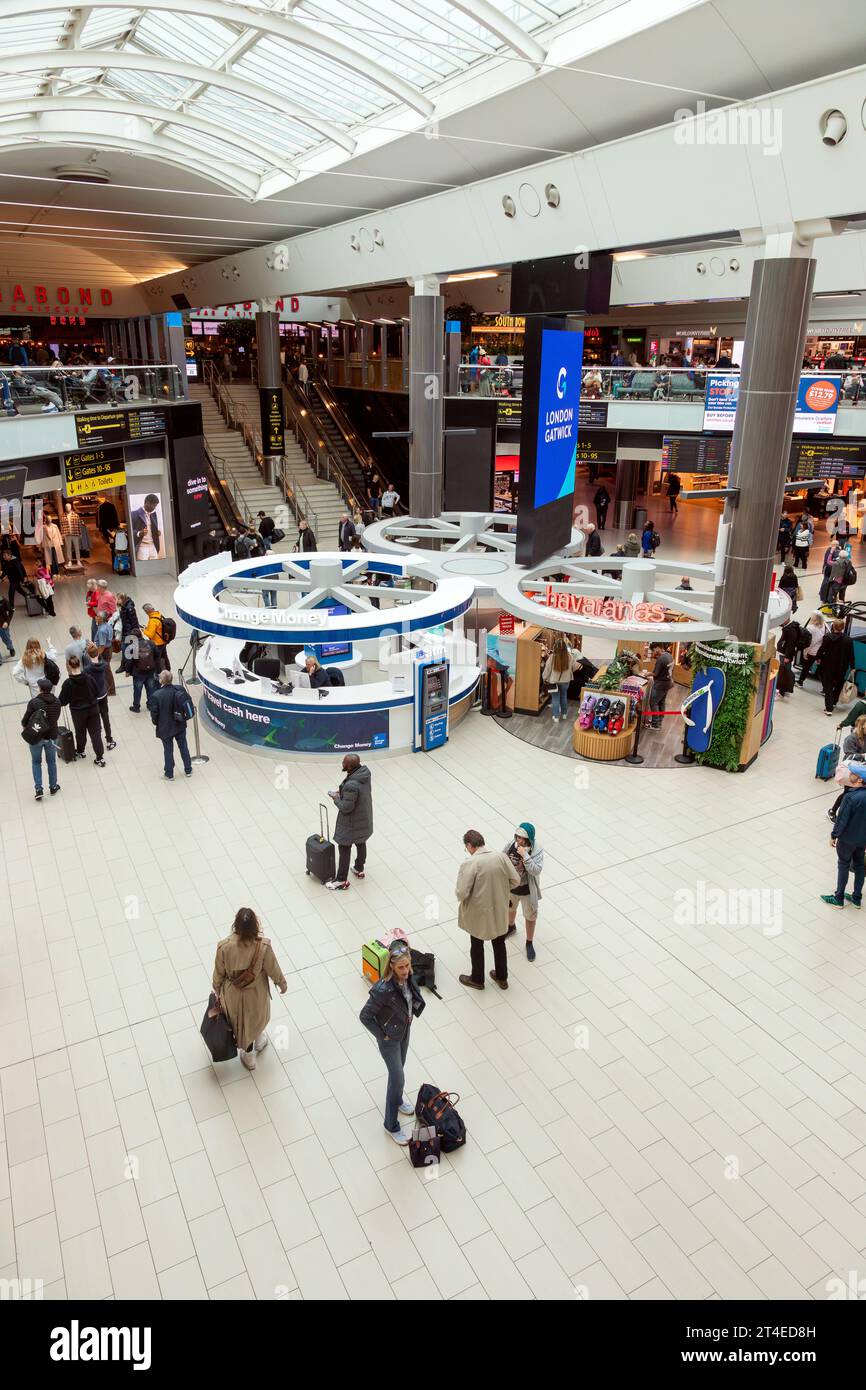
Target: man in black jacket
x,y
354,803
40,718
267,527
601,501
593,540
169,710
79,693
5,629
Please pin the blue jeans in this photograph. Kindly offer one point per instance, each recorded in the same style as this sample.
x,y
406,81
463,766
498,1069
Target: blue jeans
x,y
846,855
559,698
394,1057
142,681
267,542
168,749
6,639
47,746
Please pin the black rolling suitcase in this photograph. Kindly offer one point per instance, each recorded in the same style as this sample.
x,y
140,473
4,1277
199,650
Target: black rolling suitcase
x,y
65,744
321,853
33,606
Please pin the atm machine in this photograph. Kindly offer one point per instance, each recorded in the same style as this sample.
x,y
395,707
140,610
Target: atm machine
x,y
431,703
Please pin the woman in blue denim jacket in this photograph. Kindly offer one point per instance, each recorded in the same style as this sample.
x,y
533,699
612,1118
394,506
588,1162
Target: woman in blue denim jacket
x,y
388,1015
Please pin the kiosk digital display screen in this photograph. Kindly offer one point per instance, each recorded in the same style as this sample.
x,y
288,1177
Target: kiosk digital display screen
x,y
331,649
553,357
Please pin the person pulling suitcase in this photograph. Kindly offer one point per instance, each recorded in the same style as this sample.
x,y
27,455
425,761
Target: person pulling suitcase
x,y
80,694
354,803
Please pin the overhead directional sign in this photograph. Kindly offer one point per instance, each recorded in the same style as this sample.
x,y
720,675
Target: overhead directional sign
x,y
92,470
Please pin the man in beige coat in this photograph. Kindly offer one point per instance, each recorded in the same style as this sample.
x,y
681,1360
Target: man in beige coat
x,y
484,886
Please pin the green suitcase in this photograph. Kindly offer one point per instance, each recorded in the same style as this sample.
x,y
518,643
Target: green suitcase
x,y
374,958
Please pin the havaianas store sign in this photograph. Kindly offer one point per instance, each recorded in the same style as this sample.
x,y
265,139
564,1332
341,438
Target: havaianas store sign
x,y
615,610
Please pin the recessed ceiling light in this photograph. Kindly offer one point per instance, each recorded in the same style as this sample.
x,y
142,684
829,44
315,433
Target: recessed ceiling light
x,y
472,275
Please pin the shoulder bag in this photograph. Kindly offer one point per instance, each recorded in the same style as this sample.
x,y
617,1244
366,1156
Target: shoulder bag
x,y
248,976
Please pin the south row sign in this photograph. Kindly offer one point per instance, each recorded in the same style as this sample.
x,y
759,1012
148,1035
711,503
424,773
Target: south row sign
x,y
64,296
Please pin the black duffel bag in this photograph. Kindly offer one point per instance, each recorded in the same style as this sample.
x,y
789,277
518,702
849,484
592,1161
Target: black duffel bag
x,y
434,1109
217,1032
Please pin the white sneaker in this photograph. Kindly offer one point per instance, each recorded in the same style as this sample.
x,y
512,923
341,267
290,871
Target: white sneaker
x,y
399,1136
248,1059
336,885
405,1108
261,1042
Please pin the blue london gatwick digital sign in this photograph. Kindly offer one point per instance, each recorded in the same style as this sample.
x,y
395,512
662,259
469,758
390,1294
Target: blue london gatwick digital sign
x,y
558,401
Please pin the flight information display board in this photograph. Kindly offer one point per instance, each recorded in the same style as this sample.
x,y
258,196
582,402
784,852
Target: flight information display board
x,y
835,458
695,453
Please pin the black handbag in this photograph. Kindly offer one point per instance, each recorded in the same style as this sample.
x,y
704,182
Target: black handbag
x,y
425,1146
217,1032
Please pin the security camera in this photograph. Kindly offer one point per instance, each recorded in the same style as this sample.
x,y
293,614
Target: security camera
x,y
834,127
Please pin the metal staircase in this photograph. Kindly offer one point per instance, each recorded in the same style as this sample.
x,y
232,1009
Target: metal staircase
x,y
237,467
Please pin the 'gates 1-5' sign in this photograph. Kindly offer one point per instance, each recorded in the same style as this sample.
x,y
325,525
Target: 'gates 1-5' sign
x,y
40,296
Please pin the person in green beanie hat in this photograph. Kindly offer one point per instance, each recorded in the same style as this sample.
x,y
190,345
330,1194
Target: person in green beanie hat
x,y
527,856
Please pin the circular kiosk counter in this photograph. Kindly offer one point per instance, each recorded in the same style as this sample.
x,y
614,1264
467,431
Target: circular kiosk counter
x,y
258,617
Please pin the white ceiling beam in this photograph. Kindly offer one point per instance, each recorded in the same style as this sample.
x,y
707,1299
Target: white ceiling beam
x,y
266,22
25,134
68,39
200,77
511,34
108,106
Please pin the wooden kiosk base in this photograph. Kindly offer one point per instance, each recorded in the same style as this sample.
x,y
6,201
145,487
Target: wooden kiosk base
x,y
603,748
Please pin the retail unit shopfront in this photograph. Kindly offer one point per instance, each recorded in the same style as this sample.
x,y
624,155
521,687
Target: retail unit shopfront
x,y
368,622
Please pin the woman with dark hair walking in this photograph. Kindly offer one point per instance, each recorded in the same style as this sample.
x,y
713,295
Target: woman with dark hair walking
x,y
244,963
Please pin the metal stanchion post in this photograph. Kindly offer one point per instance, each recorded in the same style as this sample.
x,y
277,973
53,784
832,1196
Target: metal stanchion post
x,y
634,756
198,756
686,757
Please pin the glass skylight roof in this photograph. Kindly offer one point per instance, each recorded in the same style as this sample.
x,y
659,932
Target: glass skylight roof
x,y
323,68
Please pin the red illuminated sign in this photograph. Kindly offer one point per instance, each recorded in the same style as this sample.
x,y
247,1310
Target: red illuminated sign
x,y
614,609
60,296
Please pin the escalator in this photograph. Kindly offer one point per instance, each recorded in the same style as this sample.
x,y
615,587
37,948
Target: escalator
x,y
346,443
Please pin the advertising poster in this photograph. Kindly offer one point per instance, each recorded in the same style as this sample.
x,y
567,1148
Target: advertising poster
x,y
720,402
319,731
148,535
558,401
817,403
191,486
501,668
815,413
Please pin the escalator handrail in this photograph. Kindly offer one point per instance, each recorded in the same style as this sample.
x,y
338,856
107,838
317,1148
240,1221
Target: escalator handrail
x,y
362,453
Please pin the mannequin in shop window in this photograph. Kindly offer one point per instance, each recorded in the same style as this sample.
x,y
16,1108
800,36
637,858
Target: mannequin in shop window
x,y
52,544
70,528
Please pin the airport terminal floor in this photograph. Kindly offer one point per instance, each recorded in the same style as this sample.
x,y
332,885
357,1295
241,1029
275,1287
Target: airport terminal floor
x,y
666,1104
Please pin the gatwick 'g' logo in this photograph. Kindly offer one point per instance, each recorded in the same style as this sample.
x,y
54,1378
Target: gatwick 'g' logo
x,y
560,382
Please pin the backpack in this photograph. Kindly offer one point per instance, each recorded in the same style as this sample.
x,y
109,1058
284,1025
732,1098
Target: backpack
x,y
656,540
850,575
51,670
434,1109
424,970
183,706
145,659
804,638
36,728
602,713
169,629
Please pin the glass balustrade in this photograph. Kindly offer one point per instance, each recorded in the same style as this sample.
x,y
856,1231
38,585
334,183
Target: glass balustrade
x,y
50,390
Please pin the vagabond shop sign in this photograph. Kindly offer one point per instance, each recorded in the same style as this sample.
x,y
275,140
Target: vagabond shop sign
x,y
615,610
35,297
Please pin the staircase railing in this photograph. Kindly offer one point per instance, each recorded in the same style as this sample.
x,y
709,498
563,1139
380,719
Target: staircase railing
x,y
319,457
230,484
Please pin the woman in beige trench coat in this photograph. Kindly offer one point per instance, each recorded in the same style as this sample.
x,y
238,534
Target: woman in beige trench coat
x,y
248,1010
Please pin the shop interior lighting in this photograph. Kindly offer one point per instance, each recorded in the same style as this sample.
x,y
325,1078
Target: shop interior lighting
x,y
471,275
630,256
